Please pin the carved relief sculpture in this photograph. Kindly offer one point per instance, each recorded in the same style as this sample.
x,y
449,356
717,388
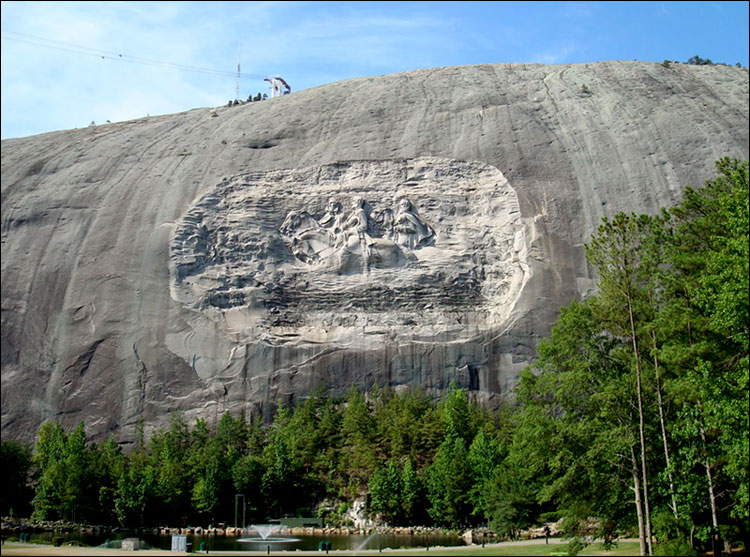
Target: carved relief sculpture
x,y
380,238
339,261
411,231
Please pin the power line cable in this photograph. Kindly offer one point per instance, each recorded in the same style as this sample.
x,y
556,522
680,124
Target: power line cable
x,y
111,55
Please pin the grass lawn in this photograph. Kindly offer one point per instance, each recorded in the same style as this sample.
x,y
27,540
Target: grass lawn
x,y
622,548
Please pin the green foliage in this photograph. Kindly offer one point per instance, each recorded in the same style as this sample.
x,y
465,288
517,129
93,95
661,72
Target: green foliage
x,y
456,417
316,425
386,489
511,500
412,495
576,545
247,477
655,363
396,494
108,464
698,61
672,534
206,490
448,482
135,487
279,483
708,333
714,220
358,456
64,487
15,462
672,548
484,458
322,449
168,460
576,423
406,425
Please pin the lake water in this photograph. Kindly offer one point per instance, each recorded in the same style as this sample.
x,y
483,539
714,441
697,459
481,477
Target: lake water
x,y
231,543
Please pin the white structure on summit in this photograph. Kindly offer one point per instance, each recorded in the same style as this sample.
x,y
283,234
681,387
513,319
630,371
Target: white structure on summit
x,y
278,86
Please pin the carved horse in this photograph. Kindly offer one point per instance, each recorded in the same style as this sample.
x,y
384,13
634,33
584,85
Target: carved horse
x,y
306,237
349,253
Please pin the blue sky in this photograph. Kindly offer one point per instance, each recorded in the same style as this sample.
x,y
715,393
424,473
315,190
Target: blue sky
x,y
182,55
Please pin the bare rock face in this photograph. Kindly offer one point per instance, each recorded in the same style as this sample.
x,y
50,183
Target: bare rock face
x,y
410,229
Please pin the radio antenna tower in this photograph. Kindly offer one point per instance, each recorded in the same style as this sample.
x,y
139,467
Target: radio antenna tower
x,y
237,90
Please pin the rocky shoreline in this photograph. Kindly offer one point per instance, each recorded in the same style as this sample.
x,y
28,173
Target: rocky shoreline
x,y
15,527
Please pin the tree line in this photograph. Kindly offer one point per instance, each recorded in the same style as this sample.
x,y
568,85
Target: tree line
x,y
415,459
636,411
635,415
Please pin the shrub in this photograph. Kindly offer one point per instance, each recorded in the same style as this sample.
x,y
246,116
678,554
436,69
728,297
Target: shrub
x,y
698,61
576,545
674,547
